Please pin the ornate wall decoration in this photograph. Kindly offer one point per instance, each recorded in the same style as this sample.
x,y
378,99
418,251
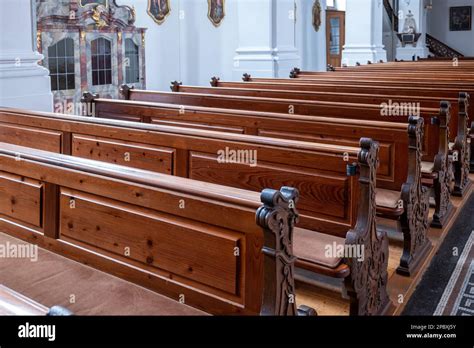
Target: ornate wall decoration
x,y
97,16
317,15
68,34
216,11
159,10
84,3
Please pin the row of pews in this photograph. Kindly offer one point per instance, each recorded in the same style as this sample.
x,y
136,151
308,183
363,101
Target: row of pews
x,y
225,236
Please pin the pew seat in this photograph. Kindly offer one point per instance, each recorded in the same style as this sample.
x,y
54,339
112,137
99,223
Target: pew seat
x,y
53,279
332,201
388,199
310,246
427,167
132,224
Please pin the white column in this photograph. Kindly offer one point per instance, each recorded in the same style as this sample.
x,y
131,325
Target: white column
x,y
311,44
23,83
266,38
364,32
417,8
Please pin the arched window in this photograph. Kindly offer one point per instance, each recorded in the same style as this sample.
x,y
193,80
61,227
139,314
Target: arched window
x,y
101,62
132,62
61,65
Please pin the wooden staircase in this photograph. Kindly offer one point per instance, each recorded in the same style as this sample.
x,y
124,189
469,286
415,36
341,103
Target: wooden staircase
x,y
392,14
440,49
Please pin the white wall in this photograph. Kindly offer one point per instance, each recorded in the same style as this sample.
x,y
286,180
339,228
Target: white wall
x,y
438,26
23,83
311,45
187,47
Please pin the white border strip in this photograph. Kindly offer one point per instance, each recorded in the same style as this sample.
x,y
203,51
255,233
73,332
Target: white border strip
x,y
461,294
455,276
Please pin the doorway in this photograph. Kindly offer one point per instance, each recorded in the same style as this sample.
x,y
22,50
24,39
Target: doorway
x,y
335,36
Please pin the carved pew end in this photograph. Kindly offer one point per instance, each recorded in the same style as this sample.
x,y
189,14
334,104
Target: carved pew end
x,y
440,222
246,77
89,98
409,265
277,218
443,170
462,149
215,81
414,221
125,91
305,311
471,145
175,86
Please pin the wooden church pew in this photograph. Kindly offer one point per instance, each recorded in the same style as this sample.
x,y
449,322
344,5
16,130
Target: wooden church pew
x,y
447,75
455,127
14,303
415,75
440,175
272,125
94,211
459,85
460,107
399,168
331,202
445,65
448,94
290,107
357,85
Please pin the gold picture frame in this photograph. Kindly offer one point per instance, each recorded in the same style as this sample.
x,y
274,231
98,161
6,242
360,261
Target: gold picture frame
x,y
211,5
158,17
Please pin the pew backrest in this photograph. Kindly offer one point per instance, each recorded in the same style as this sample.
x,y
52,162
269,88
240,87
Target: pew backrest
x,y
197,243
328,195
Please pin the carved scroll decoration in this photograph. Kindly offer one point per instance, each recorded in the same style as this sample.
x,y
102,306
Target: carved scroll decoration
x,y
277,217
461,145
246,77
414,221
215,81
89,98
367,283
471,138
125,90
175,86
442,166
294,73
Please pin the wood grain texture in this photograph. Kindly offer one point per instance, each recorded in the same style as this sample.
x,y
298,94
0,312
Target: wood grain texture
x,y
20,198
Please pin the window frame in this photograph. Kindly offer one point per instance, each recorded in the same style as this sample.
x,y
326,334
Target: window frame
x,y
101,61
62,65
133,68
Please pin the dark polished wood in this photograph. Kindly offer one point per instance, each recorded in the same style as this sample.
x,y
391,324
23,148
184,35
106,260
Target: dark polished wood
x,y
188,102
208,254
329,199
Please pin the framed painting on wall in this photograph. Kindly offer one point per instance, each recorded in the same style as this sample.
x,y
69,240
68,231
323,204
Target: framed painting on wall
x,y
159,10
216,11
460,18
